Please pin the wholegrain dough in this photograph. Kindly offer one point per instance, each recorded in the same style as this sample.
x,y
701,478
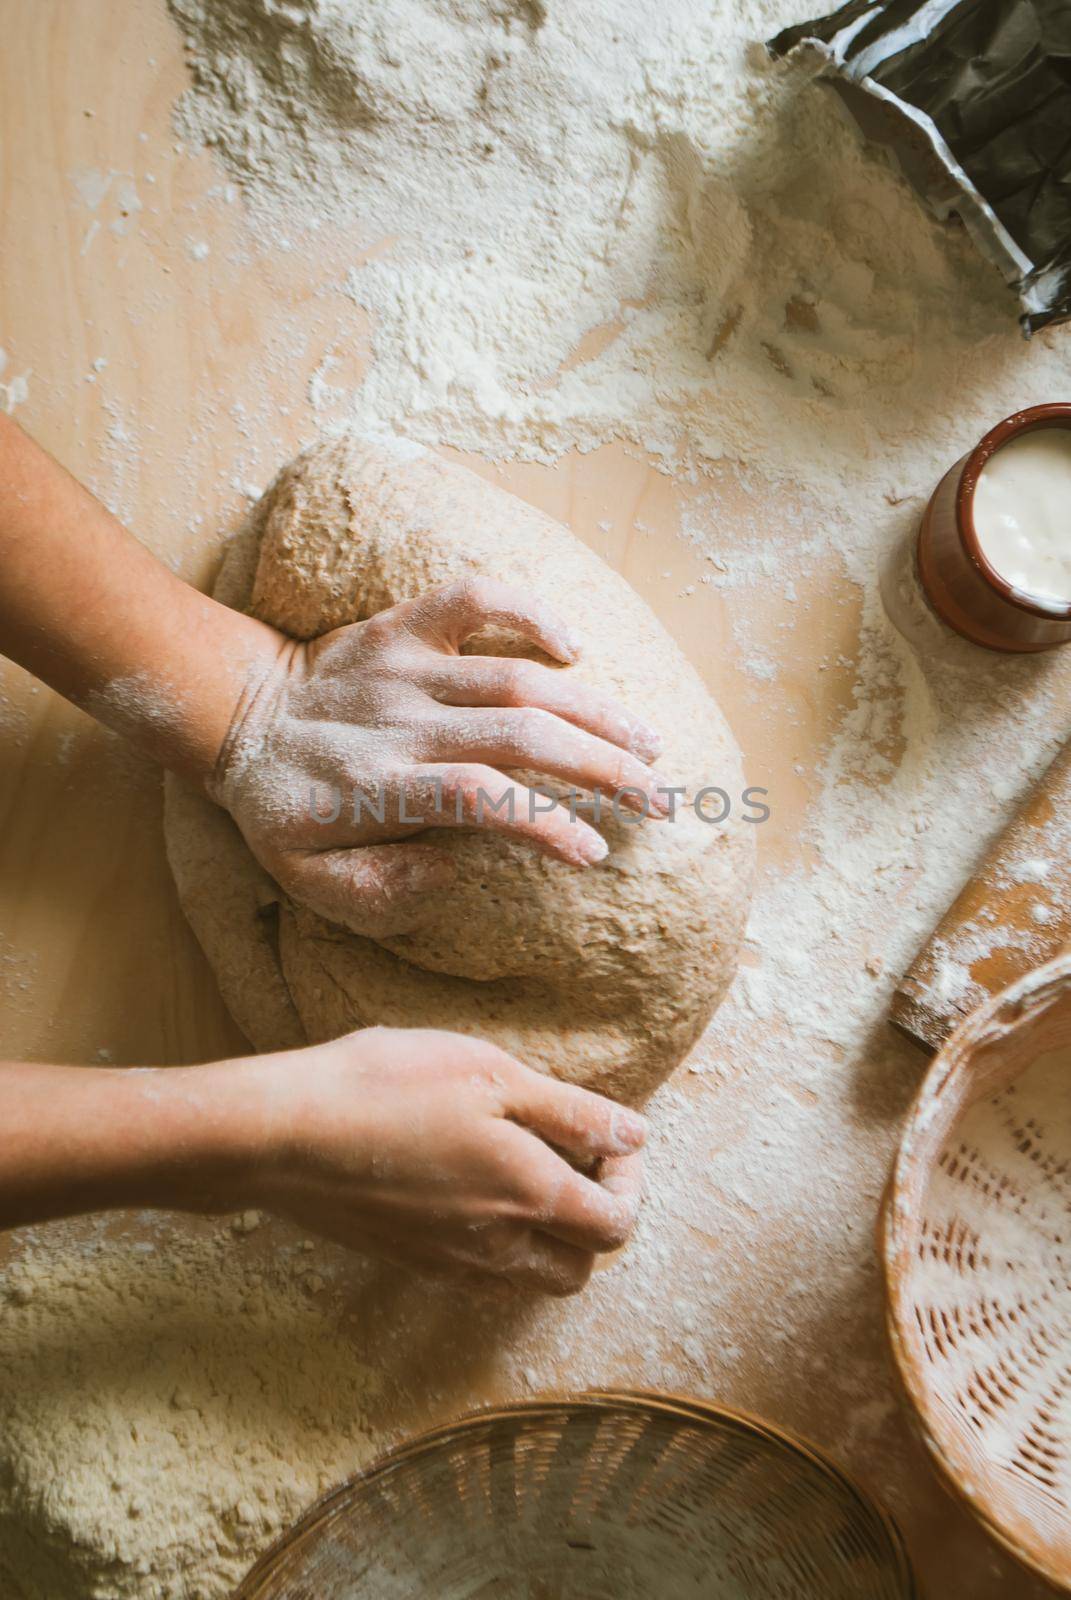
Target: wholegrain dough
x,y
604,976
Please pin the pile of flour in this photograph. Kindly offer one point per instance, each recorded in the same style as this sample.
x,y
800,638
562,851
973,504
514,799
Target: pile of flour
x,y
606,218
125,1360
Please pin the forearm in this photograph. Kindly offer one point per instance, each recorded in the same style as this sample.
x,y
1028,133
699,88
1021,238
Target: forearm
x,y
414,1144
83,1139
91,612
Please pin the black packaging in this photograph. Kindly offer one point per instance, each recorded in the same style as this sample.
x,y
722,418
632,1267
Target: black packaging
x,y
973,97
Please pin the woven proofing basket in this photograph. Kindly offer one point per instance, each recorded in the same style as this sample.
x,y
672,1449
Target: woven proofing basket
x,y
597,1497
977,1250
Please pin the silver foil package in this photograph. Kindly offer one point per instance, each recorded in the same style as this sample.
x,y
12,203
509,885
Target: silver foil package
x,y
973,98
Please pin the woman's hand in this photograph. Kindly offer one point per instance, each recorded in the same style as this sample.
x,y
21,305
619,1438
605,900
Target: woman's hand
x,y
412,1144
346,745
441,1150
385,717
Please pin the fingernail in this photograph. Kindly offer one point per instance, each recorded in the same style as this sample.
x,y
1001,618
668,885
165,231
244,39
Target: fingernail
x,y
570,644
591,848
661,795
628,1130
645,742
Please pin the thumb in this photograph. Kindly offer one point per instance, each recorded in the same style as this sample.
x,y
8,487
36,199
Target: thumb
x,y
376,890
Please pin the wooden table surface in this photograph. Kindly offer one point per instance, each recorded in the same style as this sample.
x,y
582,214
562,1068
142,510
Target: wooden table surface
x,y
174,384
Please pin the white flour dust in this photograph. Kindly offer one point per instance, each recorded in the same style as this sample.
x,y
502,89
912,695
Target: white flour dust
x,y
15,389
606,220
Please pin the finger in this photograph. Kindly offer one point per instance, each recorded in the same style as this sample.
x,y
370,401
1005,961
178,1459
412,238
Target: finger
x,y
623,1176
586,1126
447,617
473,796
531,1259
502,681
378,891
538,741
507,1252
565,1204
552,1267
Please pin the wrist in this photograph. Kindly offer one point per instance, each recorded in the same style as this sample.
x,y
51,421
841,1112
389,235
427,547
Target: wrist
x,y
87,609
179,1138
233,661
178,700
307,1100
222,1147
267,660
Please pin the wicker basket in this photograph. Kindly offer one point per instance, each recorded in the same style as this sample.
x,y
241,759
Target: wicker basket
x,y
977,1248
595,1497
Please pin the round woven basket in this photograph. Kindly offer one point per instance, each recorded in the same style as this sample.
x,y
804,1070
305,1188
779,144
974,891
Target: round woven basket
x,y
977,1252
592,1497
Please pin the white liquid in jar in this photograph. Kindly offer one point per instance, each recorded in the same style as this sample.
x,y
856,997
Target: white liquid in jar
x,y
1022,513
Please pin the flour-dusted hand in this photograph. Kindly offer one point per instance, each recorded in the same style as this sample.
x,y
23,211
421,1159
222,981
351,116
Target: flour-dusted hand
x,y
415,1145
345,746
384,723
440,1150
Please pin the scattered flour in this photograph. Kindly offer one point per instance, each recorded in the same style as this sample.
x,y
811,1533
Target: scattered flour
x,y
606,220
15,390
103,192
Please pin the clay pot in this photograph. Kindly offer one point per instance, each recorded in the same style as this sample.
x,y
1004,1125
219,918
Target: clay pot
x,y
961,585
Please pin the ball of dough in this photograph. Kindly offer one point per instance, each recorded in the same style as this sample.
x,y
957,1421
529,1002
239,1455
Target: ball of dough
x,y
604,976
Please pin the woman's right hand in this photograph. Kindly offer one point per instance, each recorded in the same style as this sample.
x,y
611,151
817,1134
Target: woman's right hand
x,y
441,1150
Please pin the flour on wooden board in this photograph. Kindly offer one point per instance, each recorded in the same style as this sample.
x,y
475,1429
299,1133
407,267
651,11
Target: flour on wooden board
x,y
609,220
15,389
582,223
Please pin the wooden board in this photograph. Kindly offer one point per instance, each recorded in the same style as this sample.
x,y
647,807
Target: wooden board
x,y
1013,914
